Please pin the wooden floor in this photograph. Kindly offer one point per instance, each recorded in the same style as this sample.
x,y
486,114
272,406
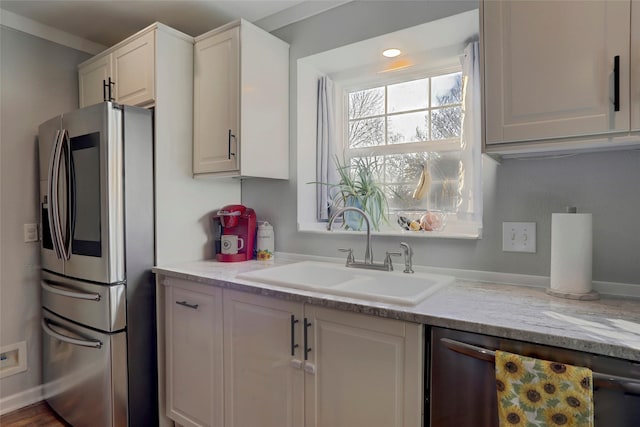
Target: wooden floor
x,y
36,415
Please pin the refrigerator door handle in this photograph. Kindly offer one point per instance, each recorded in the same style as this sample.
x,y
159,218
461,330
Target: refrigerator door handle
x,y
64,338
67,235
50,202
69,294
53,212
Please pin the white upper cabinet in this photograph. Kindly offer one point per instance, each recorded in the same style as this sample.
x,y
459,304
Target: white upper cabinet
x,y
129,67
241,103
92,75
134,71
635,65
550,73
215,97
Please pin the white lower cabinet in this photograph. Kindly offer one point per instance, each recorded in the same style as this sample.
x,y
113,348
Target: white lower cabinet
x,y
193,356
263,380
288,363
362,370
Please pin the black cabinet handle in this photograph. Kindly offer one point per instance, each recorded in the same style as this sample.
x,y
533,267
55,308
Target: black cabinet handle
x,y
293,338
106,87
229,149
307,349
186,304
616,83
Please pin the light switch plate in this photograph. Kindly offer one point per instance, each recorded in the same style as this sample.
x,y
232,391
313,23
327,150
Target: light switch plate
x,y
30,232
519,237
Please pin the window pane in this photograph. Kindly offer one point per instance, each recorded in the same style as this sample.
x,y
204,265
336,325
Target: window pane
x,y
446,122
408,96
409,127
366,103
403,174
366,132
446,89
363,167
444,193
400,197
404,168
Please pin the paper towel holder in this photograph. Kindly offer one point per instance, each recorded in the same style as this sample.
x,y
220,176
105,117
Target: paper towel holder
x,y
568,292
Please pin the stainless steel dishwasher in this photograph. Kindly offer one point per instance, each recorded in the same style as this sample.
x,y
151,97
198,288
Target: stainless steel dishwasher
x,y
462,391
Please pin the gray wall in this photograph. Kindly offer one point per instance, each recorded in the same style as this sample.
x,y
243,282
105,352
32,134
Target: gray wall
x,y
38,79
605,184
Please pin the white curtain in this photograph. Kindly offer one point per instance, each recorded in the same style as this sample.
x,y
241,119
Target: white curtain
x,y
471,153
325,147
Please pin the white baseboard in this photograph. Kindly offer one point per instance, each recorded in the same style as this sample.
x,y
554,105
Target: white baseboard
x,y
20,400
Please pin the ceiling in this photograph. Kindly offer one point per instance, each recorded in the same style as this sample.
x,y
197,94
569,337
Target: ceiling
x,y
107,22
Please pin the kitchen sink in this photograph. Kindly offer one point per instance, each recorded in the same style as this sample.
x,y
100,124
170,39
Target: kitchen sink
x,y
380,286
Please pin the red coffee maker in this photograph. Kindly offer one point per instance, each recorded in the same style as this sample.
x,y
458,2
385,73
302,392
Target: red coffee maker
x,y
236,226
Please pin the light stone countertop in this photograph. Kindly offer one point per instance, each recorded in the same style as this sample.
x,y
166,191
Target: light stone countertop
x,y
609,326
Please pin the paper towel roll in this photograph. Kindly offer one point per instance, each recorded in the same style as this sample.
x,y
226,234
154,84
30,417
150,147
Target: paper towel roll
x,y
571,254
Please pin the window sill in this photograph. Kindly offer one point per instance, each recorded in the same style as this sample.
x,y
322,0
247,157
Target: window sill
x,y
453,231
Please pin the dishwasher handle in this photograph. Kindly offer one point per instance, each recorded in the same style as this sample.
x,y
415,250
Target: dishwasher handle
x,y
629,385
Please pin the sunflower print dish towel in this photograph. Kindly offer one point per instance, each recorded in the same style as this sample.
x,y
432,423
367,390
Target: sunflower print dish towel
x,y
538,393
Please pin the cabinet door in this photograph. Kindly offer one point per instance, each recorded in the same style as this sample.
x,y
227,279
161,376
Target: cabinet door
x,y
549,68
263,371
193,354
216,99
635,65
133,71
91,79
362,371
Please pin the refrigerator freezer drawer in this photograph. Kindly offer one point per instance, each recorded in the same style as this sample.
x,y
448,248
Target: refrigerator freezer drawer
x,y
101,307
84,373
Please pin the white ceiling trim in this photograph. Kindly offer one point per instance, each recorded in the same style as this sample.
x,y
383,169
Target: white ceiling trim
x,y
297,13
29,26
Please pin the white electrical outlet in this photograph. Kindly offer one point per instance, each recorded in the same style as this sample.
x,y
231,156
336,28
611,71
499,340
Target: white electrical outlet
x,y
30,232
519,237
13,359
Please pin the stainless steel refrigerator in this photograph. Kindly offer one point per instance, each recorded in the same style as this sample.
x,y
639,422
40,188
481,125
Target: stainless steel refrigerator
x,y
98,297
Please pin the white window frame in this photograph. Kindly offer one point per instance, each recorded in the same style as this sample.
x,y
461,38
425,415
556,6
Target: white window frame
x,y
454,228
449,145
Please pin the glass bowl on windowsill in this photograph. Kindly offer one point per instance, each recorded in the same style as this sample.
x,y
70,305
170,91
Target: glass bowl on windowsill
x,y
421,220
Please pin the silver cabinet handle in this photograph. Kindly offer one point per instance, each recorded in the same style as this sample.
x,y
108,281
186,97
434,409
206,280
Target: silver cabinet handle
x,y
627,384
64,338
229,140
186,304
70,294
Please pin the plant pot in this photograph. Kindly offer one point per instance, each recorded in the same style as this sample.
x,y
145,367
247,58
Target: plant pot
x,y
354,220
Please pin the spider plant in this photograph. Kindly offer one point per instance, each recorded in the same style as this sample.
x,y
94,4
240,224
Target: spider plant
x,y
358,187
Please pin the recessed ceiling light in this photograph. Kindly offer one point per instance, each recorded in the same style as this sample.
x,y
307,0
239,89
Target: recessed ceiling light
x,y
391,53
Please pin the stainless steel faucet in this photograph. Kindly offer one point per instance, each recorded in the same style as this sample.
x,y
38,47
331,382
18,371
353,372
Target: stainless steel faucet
x,y
368,253
408,257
